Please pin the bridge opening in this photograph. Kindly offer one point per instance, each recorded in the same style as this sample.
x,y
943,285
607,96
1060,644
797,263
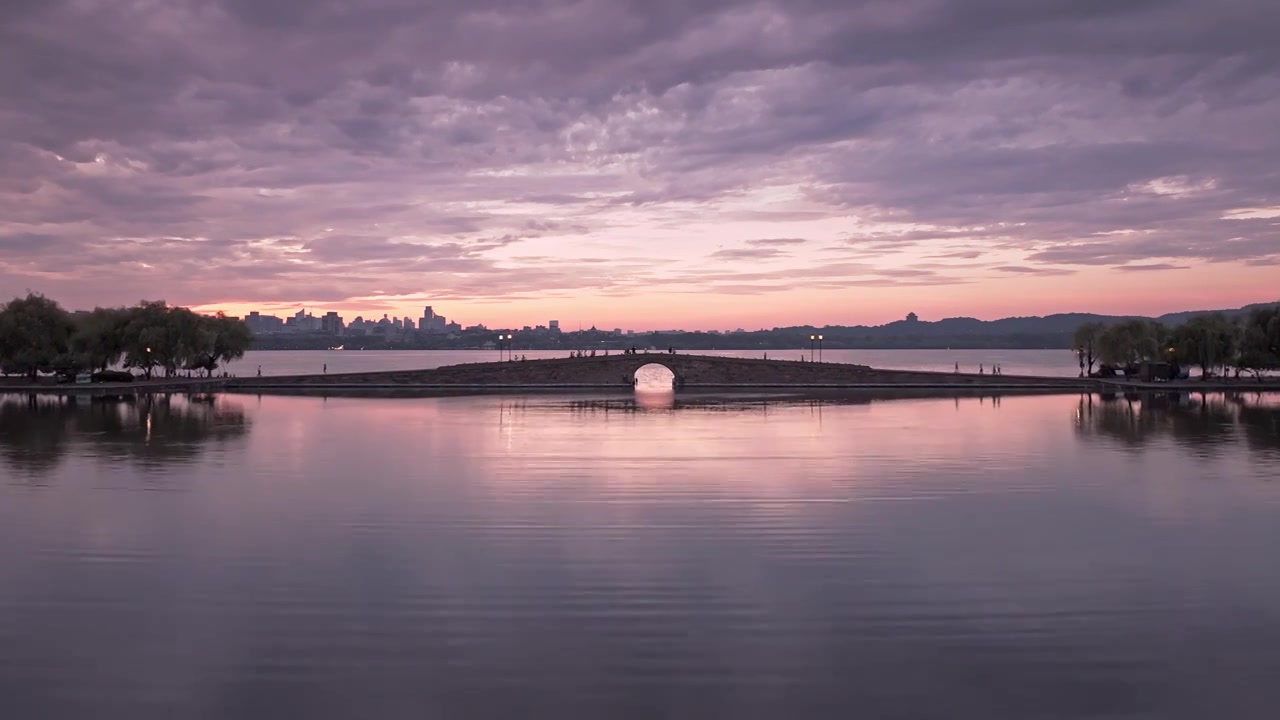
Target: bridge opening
x,y
655,378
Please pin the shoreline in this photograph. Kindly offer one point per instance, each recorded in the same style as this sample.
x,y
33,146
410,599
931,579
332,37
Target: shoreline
x,y
391,382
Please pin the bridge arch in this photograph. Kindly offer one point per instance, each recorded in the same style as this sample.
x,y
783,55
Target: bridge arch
x,y
654,376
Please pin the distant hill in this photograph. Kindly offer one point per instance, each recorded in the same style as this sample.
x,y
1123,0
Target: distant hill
x,y
1062,322
1181,317
1052,331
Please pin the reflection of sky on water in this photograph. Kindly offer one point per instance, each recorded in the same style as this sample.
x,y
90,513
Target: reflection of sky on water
x,y
562,556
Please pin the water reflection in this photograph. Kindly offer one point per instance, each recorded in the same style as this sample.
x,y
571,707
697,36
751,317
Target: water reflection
x,y
565,557
1203,424
37,432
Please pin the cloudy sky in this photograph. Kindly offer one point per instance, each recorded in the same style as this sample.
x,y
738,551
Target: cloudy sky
x,y
642,163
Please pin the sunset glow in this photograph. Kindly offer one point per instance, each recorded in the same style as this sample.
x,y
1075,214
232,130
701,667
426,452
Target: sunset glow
x,y
648,165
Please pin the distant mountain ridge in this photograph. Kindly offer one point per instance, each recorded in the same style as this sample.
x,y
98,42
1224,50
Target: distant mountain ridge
x,y
1051,331
1048,324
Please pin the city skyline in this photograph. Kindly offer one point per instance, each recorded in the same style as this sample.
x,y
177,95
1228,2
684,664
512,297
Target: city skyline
x,y
710,164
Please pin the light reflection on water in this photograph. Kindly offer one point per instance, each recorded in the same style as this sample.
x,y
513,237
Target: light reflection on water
x,y
626,556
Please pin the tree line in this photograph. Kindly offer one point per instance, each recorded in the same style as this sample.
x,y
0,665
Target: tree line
x,y
38,336
1214,343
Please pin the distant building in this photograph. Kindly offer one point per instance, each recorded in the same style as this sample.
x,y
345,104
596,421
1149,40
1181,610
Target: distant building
x,y
912,317
433,323
408,324
259,324
331,324
302,322
554,325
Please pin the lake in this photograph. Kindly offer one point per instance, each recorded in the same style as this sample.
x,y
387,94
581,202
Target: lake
x,y
1056,363
597,556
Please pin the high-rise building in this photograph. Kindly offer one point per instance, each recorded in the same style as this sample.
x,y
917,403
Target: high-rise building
x,y
331,324
554,325
302,322
431,322
258,323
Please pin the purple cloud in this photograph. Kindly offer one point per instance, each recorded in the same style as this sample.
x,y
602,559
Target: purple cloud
x,y
235,150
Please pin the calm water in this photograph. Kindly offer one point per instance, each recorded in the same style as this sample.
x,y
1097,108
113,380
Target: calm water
x,y
1059,363
590,557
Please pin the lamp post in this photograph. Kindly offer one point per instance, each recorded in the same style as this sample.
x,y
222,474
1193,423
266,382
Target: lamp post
x,y
815,340
509,338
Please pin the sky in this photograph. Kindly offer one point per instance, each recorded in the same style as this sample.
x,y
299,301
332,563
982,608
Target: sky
x,y
646,164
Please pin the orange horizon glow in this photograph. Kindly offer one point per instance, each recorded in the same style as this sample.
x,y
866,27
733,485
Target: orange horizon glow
x,y
1218,286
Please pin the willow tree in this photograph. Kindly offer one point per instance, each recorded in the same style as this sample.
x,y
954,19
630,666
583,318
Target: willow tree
x,y
98,342
153,337
1131,342
1086,341
220,340
1210,341
1260,341
35,336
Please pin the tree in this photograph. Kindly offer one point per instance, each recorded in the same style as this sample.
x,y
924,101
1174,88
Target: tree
x,y
99,338
1086,341
1130,342
147,337
1260,341
221,339
1210,341
35,334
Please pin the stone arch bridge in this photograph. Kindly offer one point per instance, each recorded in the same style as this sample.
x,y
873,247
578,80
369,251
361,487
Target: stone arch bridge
x,y
618,371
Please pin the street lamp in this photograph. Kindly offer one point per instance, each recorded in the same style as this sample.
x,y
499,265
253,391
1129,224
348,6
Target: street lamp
x,y
812,340
508,338
1080,357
